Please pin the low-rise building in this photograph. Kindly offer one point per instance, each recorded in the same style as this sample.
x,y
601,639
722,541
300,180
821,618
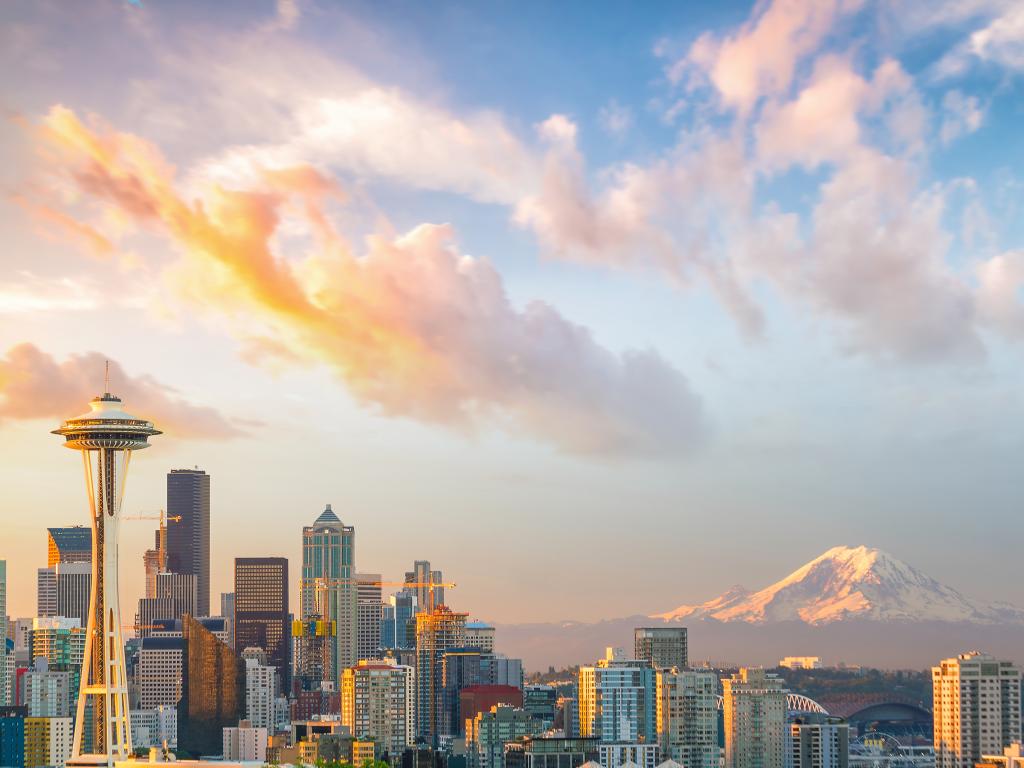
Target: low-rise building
x,y
245,743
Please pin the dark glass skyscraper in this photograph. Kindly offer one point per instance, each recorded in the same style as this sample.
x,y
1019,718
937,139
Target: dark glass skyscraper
x,y
261,610
188,539
213,690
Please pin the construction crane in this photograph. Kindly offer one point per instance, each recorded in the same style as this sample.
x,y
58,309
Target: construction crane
x,y
161,547
161,517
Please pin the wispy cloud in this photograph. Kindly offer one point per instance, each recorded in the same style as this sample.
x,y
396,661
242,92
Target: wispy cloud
x,y
411,326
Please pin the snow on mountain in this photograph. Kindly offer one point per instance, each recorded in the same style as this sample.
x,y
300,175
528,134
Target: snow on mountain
x,y
847,583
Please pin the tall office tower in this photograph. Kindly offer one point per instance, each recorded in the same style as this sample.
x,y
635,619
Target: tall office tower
x,y
377,703
174,595
74,588
755,720
154,560
489,732
64,589
47,693
68,545
436,632
161,664
46,591
687,715
106,437
977,703
824,744
329,591
188,539
213,690
480,635
261,610
261,686
151,566
398,625
368,615
227,612
62,643
617,700
661,647
422,580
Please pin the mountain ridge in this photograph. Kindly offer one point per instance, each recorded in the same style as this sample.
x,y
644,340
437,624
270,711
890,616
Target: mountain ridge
x,y
844,583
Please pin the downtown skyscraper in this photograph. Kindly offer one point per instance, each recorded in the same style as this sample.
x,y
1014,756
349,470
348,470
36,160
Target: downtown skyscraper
x,y
261,610
329,590
188,539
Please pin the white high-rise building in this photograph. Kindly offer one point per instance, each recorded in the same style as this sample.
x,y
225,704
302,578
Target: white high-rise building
x,y
63,589
819,745
47,693
377,700
976,701
755,720
245,743
687,715
261,683
617,700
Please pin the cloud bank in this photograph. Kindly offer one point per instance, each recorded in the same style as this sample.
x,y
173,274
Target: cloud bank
x,y
413,327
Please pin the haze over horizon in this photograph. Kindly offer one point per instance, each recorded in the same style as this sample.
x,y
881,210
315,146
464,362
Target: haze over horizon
x,y
601,313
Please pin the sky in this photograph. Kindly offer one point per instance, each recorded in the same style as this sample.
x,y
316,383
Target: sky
x,y
600,307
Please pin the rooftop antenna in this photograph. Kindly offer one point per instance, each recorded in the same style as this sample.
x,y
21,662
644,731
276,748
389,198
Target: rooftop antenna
x,y
106,375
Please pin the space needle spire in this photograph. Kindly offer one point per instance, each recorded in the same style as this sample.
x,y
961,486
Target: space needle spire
x,y
106,437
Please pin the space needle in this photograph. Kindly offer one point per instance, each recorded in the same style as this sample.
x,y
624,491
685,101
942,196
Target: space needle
x,y
106,437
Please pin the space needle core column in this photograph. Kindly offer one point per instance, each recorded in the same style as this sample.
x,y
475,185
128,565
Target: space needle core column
x,y
106,437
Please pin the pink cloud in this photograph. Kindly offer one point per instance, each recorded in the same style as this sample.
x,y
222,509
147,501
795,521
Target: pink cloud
x,y
33,385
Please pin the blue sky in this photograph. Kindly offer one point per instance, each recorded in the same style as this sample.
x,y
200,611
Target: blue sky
x,y
719,286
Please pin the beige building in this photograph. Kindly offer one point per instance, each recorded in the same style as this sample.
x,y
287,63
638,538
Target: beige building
x,y
377,704
687,716
755,720
1012,757
976,700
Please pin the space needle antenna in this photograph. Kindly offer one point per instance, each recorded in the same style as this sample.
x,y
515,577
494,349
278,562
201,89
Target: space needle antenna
x,y
106,375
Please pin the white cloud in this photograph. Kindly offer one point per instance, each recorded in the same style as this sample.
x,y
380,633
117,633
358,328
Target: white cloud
x,y
761,58
962,115
615,119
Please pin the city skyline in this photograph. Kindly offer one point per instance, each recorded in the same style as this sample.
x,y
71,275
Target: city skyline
x,y
779,296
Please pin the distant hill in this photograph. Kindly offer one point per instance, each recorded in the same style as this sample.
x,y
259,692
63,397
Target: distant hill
x,y
854,604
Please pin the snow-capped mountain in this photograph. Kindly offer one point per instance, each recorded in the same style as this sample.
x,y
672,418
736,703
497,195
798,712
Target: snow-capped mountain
x,y
850,583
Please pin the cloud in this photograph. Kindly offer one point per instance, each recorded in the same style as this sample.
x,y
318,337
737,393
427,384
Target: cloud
x,y
33,294
761,58
413,327
615,119
1001,280
962,115
57,225
999,42
823,123
875,259
33,385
